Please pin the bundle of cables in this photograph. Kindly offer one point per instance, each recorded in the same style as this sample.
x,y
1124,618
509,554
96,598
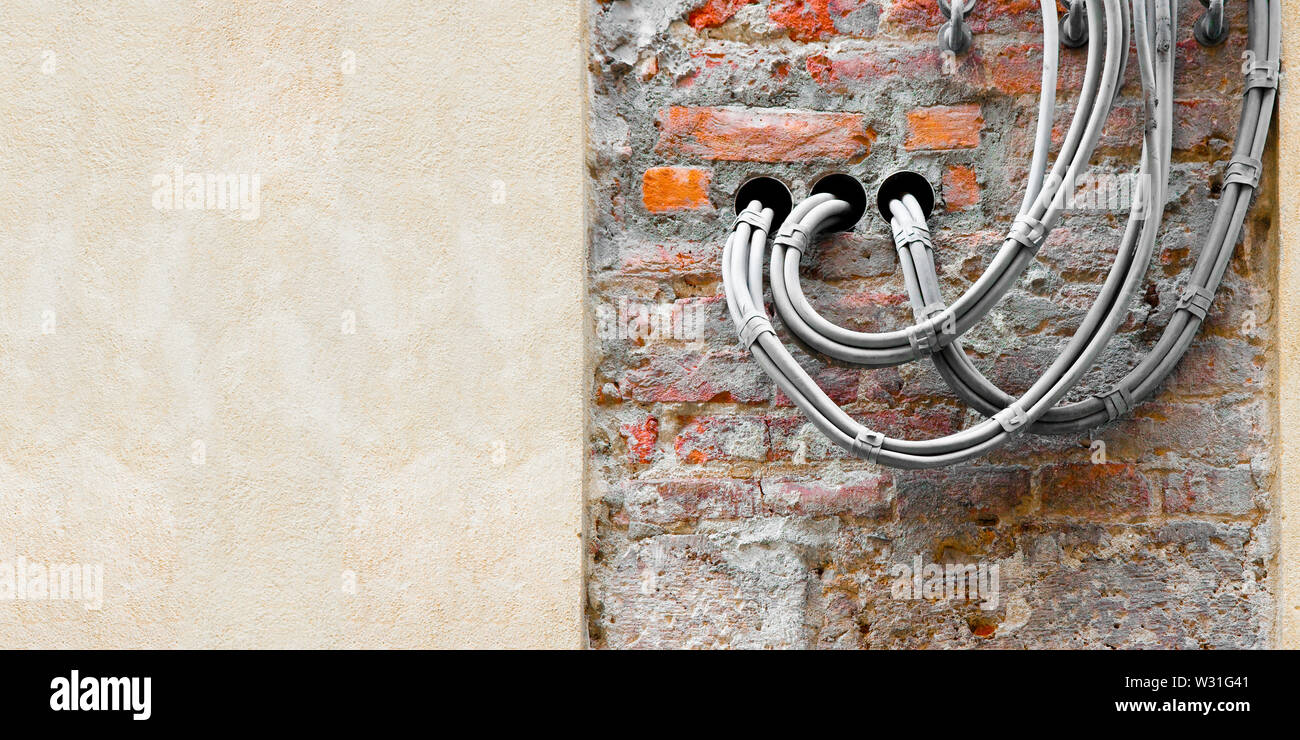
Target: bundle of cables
x,y
905,200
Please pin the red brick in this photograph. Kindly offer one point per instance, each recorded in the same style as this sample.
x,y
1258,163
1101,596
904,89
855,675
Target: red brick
x,y
1100,490
1018,70
944,127
866,494
708,438
641,439
961,188
926,422
1009,69
692,261
845,73
764,135
1000,16
711,13
666,189
672,501
689,376
803,20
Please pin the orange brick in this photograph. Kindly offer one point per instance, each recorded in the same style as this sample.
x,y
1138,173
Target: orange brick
x,y
944,127
675,189
764,135
715,12
961,189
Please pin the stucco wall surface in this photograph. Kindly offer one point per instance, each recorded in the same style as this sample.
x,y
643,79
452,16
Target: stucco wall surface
x,y
719,517
348,414
1288,298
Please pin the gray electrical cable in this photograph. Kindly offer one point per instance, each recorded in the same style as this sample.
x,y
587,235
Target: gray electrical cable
x,y
1026,236
757,334
937,327
1177,337
956,368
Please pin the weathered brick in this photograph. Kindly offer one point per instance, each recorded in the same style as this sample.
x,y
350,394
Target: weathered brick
x,y
670,375
839,382
961,188
641,439
749,135
944,127
864,494
1094,490
665,189
711,13
795,439
708,438
1204,126
672,501
803,20
694,261
760,73
989,16
923,422
1203,490
980,494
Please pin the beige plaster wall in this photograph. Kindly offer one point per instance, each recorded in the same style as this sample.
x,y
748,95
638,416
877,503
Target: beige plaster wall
x,y
1288,219
355,420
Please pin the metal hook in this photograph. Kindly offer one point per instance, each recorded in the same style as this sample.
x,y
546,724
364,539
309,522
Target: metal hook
x,y
1212,28
955,36
1074,25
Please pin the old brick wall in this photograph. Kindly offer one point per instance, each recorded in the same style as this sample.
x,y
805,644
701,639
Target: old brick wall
x,y
718,517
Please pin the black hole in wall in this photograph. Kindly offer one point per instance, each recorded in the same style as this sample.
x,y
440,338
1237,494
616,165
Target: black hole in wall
x,y
769,191
848,189
901,183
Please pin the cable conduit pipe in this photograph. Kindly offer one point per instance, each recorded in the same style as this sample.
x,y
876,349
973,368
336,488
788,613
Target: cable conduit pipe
x,y
937,328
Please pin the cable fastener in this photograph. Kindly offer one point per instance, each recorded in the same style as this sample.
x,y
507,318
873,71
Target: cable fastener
x,y
1029,231
1118,402
911,233
754,326
1012,419
926,337
867,445
1245,170
1265,74
1195,300
929,310
794,236
753,218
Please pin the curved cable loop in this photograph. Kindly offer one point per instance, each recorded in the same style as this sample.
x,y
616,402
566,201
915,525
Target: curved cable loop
x,y
1035,410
